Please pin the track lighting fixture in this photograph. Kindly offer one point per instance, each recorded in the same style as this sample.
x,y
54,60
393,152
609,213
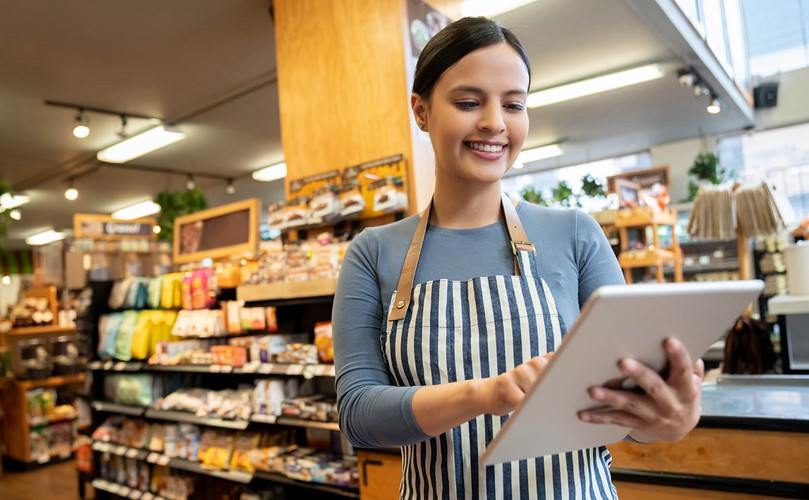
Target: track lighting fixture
x,y
71,193
714,107
701,91
122,133
231,189
81,128
190,184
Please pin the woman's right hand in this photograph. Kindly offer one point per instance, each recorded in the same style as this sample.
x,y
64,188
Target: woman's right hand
x,y
501,394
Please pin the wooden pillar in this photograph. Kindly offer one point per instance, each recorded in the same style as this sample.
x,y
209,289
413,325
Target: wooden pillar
x,y
344,76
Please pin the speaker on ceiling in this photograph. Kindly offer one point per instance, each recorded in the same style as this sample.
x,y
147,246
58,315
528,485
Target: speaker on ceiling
x,y
765,95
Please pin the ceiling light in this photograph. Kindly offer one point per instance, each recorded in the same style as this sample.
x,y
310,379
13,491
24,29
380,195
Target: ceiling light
x,y
82,129
136,211
714,107
15,214
488,8
687,78
141,144
9,201
6,279
271,173
44,237
536,154
701,91
156,229
190,184
231,189
595,85
71,193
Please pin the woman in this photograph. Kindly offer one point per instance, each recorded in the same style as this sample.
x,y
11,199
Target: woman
x,y
436,367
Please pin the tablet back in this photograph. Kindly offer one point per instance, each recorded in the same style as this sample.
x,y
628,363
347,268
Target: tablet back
x,y
616,322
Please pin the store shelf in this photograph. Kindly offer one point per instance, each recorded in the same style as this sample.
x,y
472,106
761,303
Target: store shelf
x,y
308,371
325,488
51,381
105,406
658,257
294,422
283,291
39,330
195,467
641,219
189,418
120,450
123,491
51,420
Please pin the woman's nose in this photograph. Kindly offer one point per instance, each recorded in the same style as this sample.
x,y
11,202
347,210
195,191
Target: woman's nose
x,y
492,120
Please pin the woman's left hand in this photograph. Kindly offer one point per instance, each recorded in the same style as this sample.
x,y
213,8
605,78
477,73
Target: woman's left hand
x,y
666,410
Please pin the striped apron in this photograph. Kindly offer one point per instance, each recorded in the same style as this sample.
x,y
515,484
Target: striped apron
x,y
446,331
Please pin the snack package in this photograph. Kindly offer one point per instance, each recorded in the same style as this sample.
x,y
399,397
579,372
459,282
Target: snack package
x,y
351,199
187,295
244,443
123,342
276,216
325,204
324,342
296,212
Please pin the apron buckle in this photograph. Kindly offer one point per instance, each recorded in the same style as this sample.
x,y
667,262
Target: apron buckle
x,y
526,246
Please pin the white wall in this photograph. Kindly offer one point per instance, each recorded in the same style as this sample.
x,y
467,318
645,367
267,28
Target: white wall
x,y
679,156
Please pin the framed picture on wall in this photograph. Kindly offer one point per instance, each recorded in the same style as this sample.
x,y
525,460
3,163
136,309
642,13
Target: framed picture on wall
x,y
644,178
628,193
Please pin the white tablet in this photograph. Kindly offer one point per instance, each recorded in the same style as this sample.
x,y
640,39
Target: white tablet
x,y
616,322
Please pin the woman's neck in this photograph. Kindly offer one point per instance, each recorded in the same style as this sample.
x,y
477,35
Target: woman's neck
x,y
466,208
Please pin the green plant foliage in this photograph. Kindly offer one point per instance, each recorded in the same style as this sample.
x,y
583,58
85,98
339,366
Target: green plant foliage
x,y
533,196
591,187
5,215
563,195
706,168
174,204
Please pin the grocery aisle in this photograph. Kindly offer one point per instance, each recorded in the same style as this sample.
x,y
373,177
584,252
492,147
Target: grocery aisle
x,y
54,482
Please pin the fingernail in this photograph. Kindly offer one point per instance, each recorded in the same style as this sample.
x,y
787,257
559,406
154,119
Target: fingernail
x,y
584,417
629,365
597,393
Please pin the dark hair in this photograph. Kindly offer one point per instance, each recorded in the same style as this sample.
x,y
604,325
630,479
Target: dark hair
x,y
455,41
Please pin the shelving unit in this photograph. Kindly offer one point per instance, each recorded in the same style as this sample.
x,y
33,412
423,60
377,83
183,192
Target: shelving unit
x,y
652,255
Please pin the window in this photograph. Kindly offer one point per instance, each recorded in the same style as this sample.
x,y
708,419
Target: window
x,y
777,35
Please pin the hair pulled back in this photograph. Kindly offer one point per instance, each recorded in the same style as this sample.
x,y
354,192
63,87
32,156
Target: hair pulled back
x,y
453,43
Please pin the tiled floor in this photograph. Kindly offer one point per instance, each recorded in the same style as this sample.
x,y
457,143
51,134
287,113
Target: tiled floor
x,y
58,482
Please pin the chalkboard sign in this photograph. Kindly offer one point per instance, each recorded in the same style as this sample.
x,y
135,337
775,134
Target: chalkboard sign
x,y
227,231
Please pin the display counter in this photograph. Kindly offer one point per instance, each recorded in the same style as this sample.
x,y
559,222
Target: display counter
x,y
793,319
751,442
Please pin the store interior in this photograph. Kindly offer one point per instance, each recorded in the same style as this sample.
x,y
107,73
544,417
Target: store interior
x,y
185,351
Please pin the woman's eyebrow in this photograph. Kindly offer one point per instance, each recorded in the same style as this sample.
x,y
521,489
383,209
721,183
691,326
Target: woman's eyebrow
x,y
478,90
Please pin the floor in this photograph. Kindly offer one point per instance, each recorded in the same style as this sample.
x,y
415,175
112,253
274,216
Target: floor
x,y
57,481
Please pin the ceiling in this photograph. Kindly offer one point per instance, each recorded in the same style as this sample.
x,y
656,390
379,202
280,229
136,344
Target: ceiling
x,y
208,66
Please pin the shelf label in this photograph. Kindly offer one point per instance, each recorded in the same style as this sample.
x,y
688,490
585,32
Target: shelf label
x,y
251,367
320,370
108,365
152,458
114,488
135,494
267,419
119,366
163,460
120,450
265,368
215,368
227,369
131,453
147,496
43,459
294,369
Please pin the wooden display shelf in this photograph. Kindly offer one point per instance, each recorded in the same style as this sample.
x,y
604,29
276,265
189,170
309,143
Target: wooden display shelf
x,y
642,218
39,330
656,258
284,291
51,381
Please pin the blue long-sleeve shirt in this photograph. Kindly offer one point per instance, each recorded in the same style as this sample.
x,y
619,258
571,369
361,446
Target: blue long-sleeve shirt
x,y
573,257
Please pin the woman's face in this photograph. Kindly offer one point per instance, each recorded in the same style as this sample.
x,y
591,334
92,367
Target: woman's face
x,y
476,116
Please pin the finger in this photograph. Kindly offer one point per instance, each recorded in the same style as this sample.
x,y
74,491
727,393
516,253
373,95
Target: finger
x,y
616,417
526,374
651,383
699,369
626,401
680,364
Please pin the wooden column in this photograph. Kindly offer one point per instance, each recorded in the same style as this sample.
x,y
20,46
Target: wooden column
x,y
344,74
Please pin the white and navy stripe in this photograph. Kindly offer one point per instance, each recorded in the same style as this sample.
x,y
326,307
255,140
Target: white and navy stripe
x,y
468,330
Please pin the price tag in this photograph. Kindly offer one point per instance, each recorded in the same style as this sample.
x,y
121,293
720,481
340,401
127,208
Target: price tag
x,y
66,455
267,419
124,491
320,370
250,367
108,365
43,459
265,368
152,458
131,453
215,368
163,460
114,488
309,372
119,367
294,369
147,496
121,450
135,494
227,369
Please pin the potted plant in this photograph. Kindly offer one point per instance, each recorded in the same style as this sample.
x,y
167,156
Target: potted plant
x,y
707,170
173,204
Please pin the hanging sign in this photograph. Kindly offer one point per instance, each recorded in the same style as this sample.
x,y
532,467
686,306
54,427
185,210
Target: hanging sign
x,y
105,227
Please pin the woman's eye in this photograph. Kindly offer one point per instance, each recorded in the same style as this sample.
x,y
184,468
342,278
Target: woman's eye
x,y
515,106
464,105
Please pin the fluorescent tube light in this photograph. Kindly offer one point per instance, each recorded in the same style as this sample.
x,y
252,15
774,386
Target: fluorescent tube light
x,y
488,8
44,237
140,144
535,154
9,201
137,210
271,173
595,85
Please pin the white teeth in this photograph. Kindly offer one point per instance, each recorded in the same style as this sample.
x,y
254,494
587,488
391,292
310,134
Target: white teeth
x,y
488,148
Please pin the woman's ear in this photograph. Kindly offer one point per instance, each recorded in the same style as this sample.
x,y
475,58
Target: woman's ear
x,y
419,107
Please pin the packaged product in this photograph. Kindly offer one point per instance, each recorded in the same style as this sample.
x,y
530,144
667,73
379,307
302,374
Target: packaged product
x,y
276,216
351,199
118,294
123,343
324,342
109,334
325,204
137,389
245,442
187,296
296,212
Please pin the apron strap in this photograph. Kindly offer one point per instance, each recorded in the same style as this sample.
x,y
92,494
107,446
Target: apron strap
x,y
404,289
